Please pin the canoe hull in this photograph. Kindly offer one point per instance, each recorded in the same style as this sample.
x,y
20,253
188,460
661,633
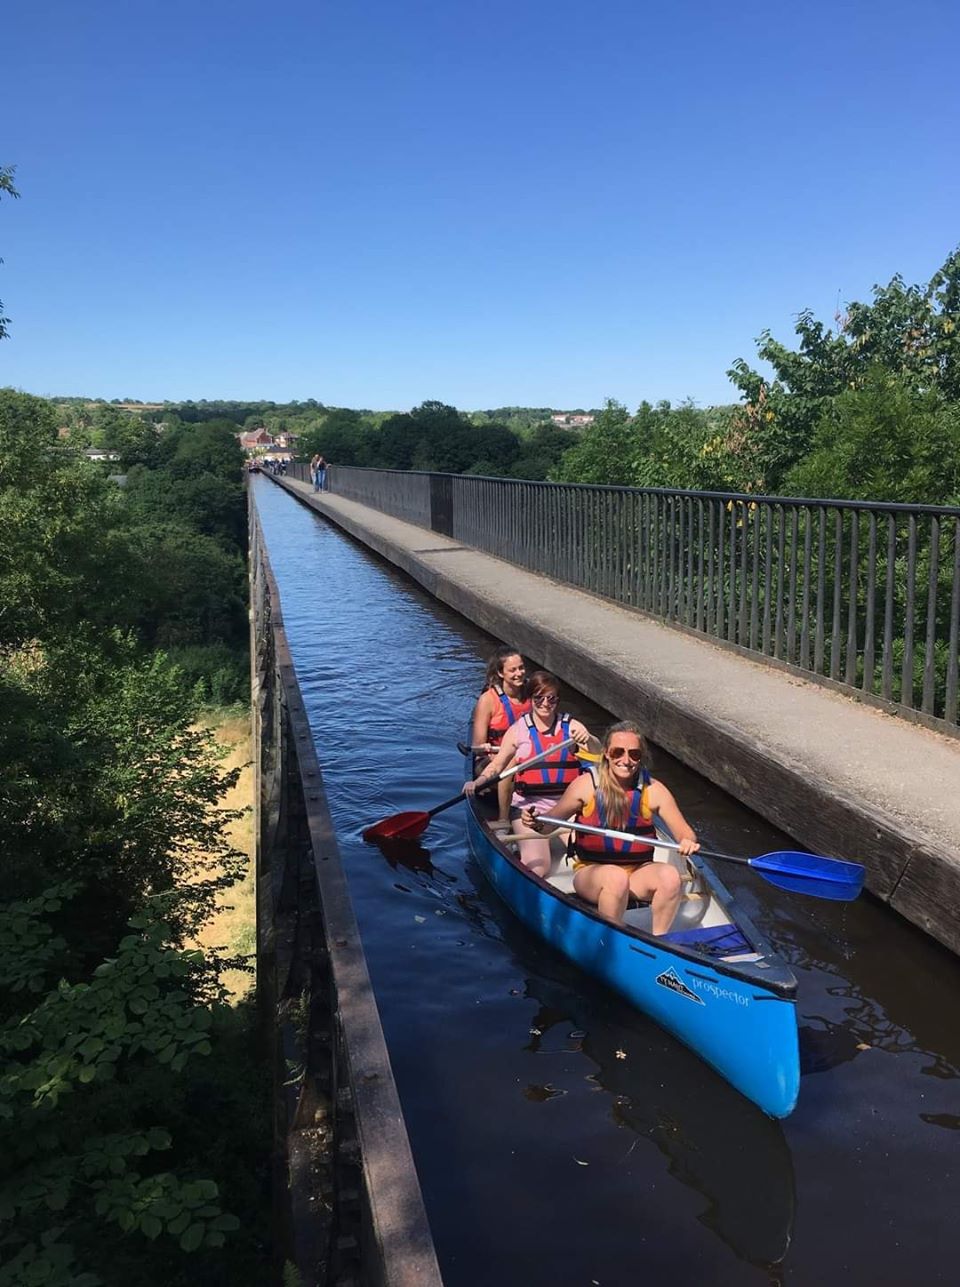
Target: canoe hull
x,y
745,1030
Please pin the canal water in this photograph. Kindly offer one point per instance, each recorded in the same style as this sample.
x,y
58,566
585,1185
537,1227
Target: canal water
x,y
560,1137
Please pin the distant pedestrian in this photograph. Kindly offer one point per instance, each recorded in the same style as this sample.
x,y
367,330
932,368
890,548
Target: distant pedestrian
x,y
321,481
314,466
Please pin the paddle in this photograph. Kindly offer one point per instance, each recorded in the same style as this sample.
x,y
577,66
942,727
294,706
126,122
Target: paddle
x,y
413,823
800,873
581,753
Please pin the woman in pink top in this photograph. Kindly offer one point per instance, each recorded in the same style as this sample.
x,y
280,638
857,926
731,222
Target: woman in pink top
x,y
538,788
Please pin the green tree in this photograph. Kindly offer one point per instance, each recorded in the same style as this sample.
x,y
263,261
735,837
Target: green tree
x,y
110,781
341,437
909,331
114,847
540,451
64,559
77,1126
884,440
125,432
203,502
190,588
604,453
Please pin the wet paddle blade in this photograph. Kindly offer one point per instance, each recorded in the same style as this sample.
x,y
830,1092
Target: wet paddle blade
x,y
402,826
802,873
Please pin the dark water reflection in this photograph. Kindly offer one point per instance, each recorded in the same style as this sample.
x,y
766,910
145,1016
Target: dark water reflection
x,y
560,1137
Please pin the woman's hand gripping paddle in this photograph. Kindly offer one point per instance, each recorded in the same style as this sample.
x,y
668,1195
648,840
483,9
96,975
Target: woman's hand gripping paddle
x,y
410,825
800,873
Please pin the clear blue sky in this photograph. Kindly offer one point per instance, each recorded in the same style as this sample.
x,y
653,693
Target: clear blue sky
x,y
490,202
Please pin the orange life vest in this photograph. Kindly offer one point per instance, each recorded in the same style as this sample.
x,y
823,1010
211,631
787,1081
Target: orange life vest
x,y
604,848
552,776
508,712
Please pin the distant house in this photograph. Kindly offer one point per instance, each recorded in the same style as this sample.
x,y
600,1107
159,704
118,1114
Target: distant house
x,y
276,452
284,439
572,420
255,441
100,453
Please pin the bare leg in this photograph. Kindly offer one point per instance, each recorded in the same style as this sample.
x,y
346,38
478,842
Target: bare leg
x,y
535,852
606,885
658,883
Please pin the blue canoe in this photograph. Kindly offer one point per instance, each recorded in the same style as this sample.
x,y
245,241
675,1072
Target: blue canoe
x,y
713,981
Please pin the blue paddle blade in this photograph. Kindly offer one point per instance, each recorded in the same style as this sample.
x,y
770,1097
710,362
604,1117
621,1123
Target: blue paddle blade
x,y
810,874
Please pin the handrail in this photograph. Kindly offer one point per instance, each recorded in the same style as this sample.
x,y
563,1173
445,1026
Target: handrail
x,y
893,507
859,595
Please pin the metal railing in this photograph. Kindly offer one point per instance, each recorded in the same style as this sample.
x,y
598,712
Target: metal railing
x,y
404,494
861,595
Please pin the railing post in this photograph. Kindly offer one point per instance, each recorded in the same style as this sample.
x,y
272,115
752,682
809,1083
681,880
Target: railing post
x,y
441,504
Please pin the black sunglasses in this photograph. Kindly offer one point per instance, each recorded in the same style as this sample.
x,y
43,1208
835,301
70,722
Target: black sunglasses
x,y
618,752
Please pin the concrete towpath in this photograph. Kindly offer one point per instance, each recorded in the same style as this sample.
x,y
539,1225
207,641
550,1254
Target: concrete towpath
x,y
842,778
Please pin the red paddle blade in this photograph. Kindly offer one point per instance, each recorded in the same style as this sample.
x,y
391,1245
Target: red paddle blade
x,y
402,826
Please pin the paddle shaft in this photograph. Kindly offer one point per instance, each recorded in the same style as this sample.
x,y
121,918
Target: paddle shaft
x,y
507,773
581,752
619,835
820,877
514,837
629,836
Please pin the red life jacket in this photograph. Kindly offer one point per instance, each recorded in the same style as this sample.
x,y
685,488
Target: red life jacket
x,y
553,776
508,712
604,848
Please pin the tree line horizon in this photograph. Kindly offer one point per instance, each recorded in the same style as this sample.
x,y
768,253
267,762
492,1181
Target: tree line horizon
x,y
868,409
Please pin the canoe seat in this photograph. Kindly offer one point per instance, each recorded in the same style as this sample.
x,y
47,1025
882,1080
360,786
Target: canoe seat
x,y
561,875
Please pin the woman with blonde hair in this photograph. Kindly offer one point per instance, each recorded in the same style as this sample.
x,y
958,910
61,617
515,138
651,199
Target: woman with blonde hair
x,y
626,798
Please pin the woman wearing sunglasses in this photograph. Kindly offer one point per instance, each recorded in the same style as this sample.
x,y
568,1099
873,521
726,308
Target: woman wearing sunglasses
x,y
539,788
626,798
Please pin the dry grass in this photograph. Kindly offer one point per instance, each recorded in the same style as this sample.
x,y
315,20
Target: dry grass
x,y
233,929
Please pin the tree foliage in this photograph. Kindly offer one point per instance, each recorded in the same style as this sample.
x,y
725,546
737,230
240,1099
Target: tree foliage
x,y
660,446
115,846
64,558
885,438
605,452
435,437
867,410
909,332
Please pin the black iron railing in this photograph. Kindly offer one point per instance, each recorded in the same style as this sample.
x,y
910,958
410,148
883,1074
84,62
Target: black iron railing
x,y
859,594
